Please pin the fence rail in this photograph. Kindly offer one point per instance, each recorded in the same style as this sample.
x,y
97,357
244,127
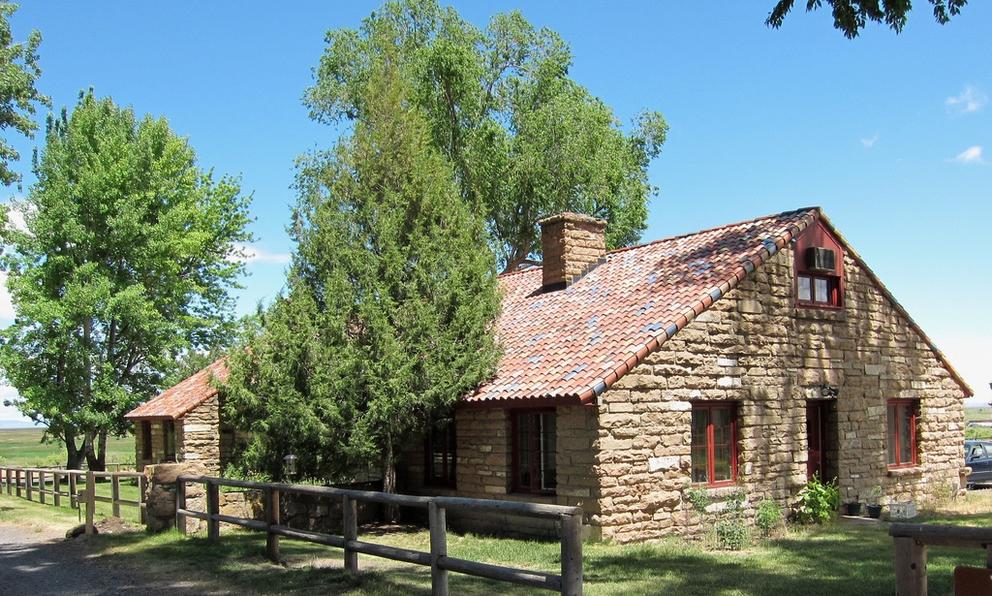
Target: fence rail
x,y
568,582
911,542
28,482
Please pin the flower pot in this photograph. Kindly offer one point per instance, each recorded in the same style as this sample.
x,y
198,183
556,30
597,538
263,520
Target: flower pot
x,y
852,508
874,511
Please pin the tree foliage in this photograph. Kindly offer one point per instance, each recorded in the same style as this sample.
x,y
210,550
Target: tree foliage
x,y
851,16
525,139
389,311
124,266
19,72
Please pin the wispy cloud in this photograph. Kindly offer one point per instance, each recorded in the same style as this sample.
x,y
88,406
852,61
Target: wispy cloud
x,y
247,253
969,101
970,155
870,142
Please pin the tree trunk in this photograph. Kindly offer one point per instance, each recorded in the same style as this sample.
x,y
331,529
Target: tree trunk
x,y
74,455
389,483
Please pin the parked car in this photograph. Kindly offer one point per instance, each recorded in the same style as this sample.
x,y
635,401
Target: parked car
x,y
978,457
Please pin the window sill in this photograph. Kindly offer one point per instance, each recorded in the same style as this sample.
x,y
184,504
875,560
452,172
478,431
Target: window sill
x,y
905,471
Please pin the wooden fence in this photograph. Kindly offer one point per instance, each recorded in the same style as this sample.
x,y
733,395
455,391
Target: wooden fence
x,y
911,542
568,582
49,482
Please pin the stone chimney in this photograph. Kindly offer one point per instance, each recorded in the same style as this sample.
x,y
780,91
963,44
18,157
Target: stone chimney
x,y
572,245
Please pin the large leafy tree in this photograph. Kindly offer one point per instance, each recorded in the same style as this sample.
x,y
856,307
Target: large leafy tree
x,y
18,95
125,265
525,139
851,16
388,316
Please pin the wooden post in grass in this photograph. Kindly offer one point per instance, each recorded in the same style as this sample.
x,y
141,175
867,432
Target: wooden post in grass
x,y
9,488
142,506
272,519
18,482
73,499
41,487
349,529
57,488
439,548
911,567
180,505
213,510
29,483
115,494
90,500
571,555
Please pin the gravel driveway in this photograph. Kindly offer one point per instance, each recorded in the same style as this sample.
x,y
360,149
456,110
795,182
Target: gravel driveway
x,y
36,562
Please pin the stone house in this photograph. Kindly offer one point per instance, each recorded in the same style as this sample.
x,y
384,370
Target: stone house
x,y
184,423
747,357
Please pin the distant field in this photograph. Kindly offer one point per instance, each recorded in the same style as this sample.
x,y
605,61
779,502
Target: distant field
x,y
983,413
23,447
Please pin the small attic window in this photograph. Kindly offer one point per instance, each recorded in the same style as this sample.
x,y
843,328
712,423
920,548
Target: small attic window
x,y
819,263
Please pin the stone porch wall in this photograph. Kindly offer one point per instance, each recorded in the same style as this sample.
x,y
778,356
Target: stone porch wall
x,y
200,436
158,444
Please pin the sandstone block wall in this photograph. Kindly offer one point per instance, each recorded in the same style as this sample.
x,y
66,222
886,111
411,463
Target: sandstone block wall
x,y
158,444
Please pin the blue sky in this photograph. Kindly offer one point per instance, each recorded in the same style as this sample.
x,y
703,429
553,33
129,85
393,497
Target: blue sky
x,y
891,135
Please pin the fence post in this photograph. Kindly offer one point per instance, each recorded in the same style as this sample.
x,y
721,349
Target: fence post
x,y
41,487
213,509
180,505
439,548
571,555
349,528
911,567
18,480
29,483
90,500
9,489
57,488
142,507
115,494
73,500
272,519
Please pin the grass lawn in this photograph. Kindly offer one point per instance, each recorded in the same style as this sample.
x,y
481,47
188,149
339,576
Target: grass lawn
x,y
835,559
23,447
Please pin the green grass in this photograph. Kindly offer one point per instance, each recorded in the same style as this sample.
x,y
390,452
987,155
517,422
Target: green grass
x,y
23,447
977,414
829,560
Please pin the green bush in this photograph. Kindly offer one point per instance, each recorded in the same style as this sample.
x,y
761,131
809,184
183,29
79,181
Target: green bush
x,y
817,501
698,498
732,534
768,516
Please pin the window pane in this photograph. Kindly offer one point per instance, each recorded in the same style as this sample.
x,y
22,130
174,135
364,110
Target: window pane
x,y
523,451
722,444
822,290
547,463
905,433
804,288
700,418
891,423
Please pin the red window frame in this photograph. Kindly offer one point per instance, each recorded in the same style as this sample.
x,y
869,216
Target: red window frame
x,y
533,463
894,414
833,291
441,440
146,440
709,407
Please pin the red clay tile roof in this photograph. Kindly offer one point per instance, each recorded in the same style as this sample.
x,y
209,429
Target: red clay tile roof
x,y
178,400
571,344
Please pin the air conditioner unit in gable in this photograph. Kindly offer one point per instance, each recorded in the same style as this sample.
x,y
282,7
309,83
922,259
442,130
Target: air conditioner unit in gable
x,y
820,259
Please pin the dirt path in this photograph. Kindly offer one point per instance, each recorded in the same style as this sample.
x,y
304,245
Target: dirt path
x,y
35,562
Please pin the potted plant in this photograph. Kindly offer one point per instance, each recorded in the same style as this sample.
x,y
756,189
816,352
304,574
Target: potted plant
x,y
852,507
874,507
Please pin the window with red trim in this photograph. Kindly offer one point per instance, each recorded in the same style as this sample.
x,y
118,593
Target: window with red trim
x,y
901,432
714,443
440,453
818,290
533,451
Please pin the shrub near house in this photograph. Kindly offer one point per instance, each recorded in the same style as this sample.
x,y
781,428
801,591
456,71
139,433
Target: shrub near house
x,y
757,354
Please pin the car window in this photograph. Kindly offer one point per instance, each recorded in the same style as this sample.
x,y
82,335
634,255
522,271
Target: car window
x,y
976,452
